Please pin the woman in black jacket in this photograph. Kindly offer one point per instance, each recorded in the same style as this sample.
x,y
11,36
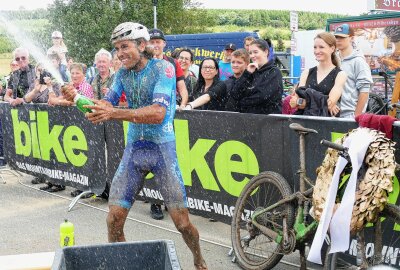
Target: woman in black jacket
x,y
259,90
210,92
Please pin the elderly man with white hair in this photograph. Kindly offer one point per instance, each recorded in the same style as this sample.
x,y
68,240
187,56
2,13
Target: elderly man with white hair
x,y
21,80
103,80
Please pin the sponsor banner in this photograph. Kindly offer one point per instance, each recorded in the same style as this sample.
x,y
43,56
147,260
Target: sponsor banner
x,y
375,23
218,152
54,142
199,54
218,160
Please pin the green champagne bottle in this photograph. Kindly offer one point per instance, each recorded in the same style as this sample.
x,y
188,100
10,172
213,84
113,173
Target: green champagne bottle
x,y
67,238
80,101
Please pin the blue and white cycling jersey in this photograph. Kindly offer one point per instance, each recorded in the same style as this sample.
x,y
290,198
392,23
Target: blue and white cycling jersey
x,y
154,84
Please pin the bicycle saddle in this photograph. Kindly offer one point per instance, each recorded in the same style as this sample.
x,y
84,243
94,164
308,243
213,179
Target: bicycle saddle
x,y
299,128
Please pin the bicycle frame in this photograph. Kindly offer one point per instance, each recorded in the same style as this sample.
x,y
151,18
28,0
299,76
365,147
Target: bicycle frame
x,y
302,231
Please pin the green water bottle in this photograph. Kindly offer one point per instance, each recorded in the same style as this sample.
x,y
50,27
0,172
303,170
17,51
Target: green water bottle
x,y
80,101
67,234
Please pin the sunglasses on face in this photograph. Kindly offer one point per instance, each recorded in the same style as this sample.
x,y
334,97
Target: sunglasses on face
x,y
22,58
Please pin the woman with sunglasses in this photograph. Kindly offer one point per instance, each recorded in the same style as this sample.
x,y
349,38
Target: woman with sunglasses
x,y
210,92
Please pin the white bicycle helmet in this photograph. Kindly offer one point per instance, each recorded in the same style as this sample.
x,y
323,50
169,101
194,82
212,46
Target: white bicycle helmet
x,y
129,31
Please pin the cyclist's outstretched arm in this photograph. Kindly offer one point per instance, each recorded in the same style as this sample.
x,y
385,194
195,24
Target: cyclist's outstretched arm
x,y
153,114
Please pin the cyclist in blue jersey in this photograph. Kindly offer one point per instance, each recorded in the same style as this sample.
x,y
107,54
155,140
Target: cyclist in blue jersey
x,y
149,85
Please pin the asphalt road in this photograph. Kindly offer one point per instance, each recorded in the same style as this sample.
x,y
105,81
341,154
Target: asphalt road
x,y
30,219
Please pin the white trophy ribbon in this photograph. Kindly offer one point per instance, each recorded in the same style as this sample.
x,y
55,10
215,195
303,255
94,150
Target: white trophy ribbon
x,y
339,223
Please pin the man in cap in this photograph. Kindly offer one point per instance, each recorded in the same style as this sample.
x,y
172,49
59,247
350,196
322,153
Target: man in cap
x,y
157,40
356,89
149,85
22,79
225,68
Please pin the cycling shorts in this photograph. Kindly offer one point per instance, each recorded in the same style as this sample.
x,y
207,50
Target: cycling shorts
x,y
140,158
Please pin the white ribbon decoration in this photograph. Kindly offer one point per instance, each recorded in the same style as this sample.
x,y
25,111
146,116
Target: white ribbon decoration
x,y
339,225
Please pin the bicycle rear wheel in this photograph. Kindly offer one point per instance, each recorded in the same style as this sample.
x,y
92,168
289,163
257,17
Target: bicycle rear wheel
x,y
253,249
390,240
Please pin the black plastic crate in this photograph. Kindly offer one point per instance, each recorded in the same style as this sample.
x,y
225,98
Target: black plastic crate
x,y
157,254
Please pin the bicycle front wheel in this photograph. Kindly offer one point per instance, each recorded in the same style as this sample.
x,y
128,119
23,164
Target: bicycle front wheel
x,y
253,249
388,236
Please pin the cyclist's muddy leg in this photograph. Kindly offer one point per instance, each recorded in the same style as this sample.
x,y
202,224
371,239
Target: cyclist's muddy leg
x,y
115,223
189,234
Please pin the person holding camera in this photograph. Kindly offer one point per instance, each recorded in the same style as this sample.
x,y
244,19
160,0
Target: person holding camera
x,y
43,86
321,87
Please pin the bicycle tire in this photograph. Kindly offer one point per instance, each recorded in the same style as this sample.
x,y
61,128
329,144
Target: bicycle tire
x,y
265,186
376,104
392,213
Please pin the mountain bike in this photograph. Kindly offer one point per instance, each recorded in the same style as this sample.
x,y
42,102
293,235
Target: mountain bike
x,y
270,220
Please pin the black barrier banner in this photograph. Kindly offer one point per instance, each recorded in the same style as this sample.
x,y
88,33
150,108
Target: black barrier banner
x,y
218,152
55,142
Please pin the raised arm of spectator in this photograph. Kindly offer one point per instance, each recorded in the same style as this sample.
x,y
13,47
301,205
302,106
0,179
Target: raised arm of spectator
x,y
33,92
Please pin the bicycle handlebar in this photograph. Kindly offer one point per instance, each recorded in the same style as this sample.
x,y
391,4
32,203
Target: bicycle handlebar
x,y
335,146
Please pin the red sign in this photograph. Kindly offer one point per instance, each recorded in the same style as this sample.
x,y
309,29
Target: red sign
x,y
392,5
368,23
378,39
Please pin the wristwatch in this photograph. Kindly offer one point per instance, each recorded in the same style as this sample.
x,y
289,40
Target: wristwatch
x,y
299,101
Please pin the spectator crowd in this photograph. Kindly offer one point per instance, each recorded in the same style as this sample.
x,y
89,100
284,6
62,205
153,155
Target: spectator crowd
x,y
246,80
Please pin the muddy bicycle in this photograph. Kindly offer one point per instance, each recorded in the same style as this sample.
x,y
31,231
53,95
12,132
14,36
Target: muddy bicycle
x,y
270,221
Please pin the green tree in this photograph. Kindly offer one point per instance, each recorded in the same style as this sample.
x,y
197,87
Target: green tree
x,y
87,24
280,47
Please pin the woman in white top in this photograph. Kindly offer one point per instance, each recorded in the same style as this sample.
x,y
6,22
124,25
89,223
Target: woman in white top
x,y
58,47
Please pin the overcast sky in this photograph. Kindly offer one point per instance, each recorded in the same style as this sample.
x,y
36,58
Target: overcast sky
x,y
334,6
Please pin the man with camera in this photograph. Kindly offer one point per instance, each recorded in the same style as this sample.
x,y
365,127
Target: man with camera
x,y
21,80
